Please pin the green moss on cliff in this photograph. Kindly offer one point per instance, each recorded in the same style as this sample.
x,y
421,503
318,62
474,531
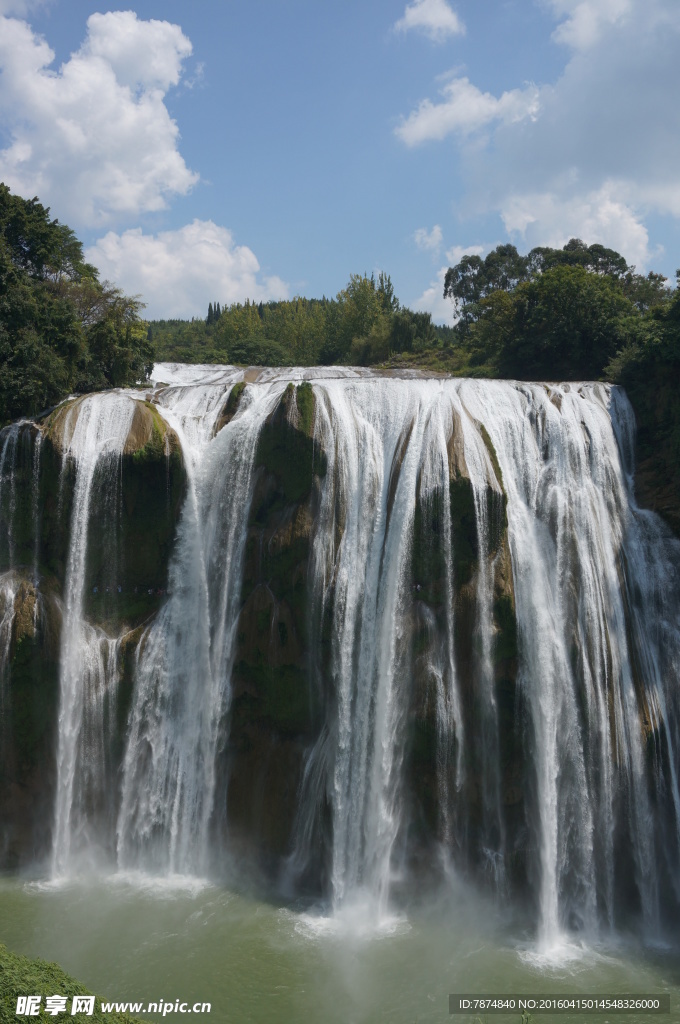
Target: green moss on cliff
x,y
492,453
278,698
463,529
505,642
34,700
159,442
427,559
306,404
130,542
235,398
288,452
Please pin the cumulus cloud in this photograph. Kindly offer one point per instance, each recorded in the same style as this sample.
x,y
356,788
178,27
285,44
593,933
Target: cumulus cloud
x,y
600,216
429,241
586,20
432,301
593,153
19,8
455,254
94,139
433,17
179,272
464,109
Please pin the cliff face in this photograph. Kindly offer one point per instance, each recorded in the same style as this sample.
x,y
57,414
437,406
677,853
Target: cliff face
x,y
277,707
129,545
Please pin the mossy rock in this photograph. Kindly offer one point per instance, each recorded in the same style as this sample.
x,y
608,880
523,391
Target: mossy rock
x,y
464,539
231,406
130,542
33,675
287,451
150,438
28,727
427,551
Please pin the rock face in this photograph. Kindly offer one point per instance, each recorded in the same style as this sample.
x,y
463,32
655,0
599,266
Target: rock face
x,y
28,724
128,548
275,711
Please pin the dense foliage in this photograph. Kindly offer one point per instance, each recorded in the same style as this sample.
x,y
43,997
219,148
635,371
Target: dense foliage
x,y
61,329
365,324
554,314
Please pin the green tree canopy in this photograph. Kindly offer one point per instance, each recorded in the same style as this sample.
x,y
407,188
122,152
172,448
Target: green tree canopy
x,y
61,329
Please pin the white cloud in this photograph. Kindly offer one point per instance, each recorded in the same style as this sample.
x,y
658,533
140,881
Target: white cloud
x,y
586,20
464,109
455,254
432,300
601,216
429,241
433,17
94,139
19,8
178,272
593,153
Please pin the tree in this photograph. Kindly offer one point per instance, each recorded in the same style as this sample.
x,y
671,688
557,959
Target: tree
x,y
60,328
567,324
473,279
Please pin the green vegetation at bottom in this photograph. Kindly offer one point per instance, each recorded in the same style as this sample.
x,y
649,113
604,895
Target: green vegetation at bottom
x,y
21,976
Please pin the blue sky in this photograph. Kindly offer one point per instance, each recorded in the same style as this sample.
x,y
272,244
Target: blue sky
x,y
224,150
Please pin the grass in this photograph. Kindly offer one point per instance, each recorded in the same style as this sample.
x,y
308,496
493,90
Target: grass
x,y
21,976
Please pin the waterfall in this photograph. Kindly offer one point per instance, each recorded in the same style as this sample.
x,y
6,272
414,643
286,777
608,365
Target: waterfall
x,y
491,633
7,596
375,450
183,671
95,432
577,544
8,491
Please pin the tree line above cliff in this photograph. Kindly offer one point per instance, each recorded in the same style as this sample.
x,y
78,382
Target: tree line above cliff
x,y
365,324
61,328
580,312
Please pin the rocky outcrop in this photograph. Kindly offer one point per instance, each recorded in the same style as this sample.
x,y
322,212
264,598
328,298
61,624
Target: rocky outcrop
x,y
28,722
275,711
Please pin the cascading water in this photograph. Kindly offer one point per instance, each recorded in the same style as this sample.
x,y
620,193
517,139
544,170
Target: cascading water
x,y
95,432
492,629
7,597
378,450
183,671
576,539
8,497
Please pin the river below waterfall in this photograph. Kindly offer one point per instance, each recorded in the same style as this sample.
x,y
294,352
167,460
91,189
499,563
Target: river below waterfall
x,y
148,940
